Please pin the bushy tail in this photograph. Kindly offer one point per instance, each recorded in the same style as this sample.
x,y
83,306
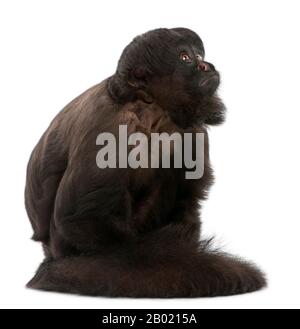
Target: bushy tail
x,y
161,266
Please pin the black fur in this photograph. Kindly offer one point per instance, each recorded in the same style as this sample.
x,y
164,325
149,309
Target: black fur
x,y
126,232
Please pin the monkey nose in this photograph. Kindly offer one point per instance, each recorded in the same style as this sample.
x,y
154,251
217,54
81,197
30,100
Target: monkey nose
x,y
203,66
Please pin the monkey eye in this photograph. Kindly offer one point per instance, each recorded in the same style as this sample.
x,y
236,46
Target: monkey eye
x,y
185,57
199,57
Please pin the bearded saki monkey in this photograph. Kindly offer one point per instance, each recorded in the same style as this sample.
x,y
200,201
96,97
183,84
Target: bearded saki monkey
x,y
132,232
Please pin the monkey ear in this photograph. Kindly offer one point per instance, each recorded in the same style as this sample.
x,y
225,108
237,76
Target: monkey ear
x,y
138,77
140,72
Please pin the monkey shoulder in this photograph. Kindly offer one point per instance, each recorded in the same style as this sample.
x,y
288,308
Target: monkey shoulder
x,y
144,117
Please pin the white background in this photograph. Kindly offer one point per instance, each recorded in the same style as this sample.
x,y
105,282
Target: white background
x,y
53,50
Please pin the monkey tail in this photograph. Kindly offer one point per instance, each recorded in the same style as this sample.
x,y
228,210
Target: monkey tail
x,y
160,266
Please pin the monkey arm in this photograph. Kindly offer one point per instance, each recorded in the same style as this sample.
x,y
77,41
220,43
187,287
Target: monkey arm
x,y
45,169
93,205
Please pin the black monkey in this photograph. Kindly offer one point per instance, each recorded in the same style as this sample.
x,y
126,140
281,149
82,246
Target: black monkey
x,y
123,231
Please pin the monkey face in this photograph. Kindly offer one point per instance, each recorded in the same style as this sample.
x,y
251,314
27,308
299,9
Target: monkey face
x,y
198,77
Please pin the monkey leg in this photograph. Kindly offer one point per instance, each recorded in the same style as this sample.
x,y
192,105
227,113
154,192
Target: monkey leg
x,y
92,216
161,265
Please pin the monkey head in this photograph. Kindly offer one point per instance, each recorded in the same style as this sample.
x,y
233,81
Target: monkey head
x,y
167,66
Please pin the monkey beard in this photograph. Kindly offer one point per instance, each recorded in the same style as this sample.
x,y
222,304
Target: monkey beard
x,y
206,111
212,110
